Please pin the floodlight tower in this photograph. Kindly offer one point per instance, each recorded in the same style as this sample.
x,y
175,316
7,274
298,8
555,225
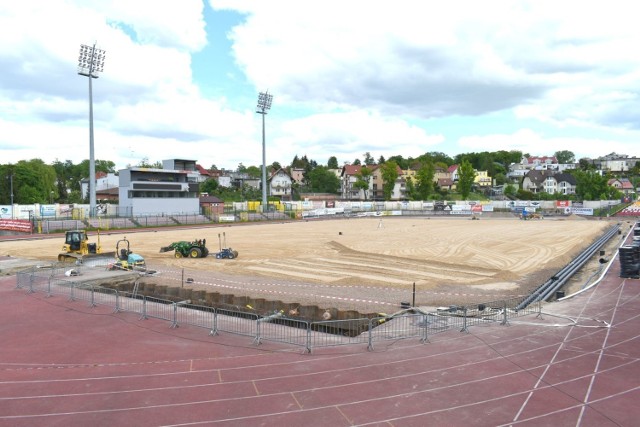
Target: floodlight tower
x,y
90,63
264,104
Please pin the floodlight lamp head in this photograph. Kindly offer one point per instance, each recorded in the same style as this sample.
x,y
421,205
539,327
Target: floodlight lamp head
x,y
264,102
90,61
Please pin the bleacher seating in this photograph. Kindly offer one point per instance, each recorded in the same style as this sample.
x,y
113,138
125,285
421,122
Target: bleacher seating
x,y
631,210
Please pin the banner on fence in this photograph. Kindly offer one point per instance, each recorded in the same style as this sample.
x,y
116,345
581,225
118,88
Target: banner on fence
x,y
15,225
6,211
582,211
47,210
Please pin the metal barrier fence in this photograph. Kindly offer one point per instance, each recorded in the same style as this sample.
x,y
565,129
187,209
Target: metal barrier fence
x,y
275,326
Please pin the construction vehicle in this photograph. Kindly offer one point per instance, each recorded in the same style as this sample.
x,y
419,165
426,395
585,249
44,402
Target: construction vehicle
x,y
184,249
127,260
225,252
530,215
76,247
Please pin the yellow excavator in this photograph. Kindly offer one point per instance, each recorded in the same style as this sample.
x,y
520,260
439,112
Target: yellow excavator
x,y
76,247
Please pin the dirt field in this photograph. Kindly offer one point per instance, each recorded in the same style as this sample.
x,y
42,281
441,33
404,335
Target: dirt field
x,y
489,254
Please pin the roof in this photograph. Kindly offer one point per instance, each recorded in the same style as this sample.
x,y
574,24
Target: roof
x,y
351,169
275,172
624,183
210,199
537,177
115,191
452,168
566,177
543,159
202,170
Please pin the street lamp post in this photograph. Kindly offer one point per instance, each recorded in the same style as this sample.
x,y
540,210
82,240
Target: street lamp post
x,y
264,104
90,63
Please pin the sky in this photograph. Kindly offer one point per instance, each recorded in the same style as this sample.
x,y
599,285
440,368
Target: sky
x,y
181,79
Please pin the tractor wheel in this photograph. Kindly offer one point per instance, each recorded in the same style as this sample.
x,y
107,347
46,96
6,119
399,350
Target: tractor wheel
x,y
178,254
195,253
231,255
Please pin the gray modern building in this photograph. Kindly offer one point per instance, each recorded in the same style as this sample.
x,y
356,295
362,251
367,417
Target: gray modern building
x,y
172,190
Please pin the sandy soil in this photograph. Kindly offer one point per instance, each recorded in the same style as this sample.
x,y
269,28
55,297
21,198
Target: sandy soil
x,y
490,254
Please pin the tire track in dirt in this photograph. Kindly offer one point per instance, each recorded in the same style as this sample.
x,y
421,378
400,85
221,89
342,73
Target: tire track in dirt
x,y
372,268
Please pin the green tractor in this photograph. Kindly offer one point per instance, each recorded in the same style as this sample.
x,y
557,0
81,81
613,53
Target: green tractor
x,y
184,249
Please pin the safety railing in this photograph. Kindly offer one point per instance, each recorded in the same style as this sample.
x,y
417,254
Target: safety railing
x,y
275,326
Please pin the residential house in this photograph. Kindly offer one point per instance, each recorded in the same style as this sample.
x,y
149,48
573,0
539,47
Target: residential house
x,y
106,186
482,179
622,184
547,181
280,184
446,184
441,173
534,180
203,174
534,161
562,183
240,179
453,173
297,175
348,178
517,171
615,163
376,185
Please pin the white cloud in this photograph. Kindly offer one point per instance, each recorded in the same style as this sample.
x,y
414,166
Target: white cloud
x,y
348,136
349,78
145,99
429,59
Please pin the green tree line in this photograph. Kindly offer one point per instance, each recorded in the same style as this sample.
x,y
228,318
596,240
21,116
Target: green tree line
x,y
33,181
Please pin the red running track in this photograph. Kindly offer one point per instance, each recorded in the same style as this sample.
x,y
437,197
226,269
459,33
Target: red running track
x,y
63,363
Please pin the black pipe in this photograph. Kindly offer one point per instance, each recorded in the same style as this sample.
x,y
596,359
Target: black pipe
x,y
544,291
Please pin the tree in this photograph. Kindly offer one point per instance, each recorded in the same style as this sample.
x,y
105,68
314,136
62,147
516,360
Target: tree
x,y
500,178
424,176
565,156
400,161
362,180
590,185
410,189
209,186
389,171
437,156
275,166
368,159
33,182
144,163
356,162
254,171
381,160
510,190
322,180
333,163
466,177
586,164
